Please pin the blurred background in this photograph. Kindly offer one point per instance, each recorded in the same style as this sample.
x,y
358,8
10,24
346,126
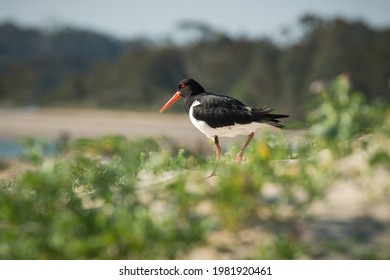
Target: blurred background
x,y
81,139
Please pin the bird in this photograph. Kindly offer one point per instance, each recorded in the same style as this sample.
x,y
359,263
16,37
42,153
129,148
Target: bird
x,y
218,115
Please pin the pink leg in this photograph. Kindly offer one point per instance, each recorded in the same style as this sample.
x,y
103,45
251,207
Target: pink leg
x,y
218,155
241,153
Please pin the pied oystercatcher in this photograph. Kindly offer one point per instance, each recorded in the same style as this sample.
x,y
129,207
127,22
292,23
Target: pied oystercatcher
x,y
221,116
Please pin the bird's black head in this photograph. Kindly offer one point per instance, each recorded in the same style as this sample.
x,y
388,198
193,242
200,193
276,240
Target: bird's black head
x,y
186,88
189,87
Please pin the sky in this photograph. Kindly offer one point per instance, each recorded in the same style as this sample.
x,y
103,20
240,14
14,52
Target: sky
x,y
126,19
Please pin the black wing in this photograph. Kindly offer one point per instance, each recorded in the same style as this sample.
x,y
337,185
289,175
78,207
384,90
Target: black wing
x,y
220,111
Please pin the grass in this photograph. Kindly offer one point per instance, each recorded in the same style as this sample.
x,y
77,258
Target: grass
x,y
114,198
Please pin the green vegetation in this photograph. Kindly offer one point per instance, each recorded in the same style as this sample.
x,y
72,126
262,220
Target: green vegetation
x,y
113,198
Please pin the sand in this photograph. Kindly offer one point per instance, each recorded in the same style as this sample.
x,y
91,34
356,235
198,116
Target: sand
x,y
53,122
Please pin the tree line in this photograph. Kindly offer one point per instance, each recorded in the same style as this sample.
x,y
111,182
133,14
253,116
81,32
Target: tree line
x,y
73,67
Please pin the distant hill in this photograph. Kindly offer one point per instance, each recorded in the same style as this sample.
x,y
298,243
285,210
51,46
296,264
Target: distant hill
x,y
45,60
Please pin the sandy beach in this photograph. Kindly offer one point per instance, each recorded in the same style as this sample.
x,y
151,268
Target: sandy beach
x,y
54,122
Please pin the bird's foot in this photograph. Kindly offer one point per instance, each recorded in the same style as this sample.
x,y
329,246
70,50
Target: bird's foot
x,y
239,157
214,173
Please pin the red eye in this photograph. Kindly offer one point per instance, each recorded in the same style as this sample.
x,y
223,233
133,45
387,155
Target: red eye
x,y
182,85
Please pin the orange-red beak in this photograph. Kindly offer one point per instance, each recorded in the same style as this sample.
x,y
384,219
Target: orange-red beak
x,y
173,99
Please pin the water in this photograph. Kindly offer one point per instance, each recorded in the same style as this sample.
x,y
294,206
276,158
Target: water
x,y
12,148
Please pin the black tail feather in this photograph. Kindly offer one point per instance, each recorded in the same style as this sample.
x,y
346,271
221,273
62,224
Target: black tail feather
x,y
263,115
272,119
